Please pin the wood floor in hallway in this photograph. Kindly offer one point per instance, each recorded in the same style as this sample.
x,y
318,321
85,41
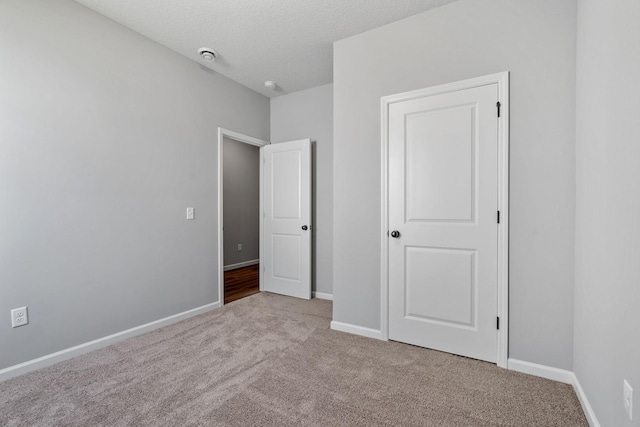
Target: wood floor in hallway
x,y
241,282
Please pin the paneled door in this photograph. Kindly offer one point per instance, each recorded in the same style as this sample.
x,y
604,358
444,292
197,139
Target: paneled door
x,y
287,218
443,231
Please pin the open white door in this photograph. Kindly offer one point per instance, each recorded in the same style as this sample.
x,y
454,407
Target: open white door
x,y
287,218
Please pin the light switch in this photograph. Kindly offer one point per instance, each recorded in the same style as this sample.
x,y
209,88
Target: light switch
x,y
191,213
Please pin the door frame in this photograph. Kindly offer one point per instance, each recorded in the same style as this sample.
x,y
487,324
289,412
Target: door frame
x,y
236,136
502,80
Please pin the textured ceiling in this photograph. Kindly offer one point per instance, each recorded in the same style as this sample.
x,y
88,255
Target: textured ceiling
x,y
287,41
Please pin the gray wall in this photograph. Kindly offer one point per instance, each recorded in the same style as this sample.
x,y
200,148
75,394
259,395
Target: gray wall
x,y
241,201
607,289
536,41
309,114
106,138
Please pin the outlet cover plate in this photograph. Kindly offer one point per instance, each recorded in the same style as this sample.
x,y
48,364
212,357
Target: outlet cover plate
x,y
19,317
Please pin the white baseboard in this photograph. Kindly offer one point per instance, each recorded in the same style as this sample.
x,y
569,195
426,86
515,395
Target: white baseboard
x,y
321,295
357,330
59,356
241,264
586,406
555,374
560,375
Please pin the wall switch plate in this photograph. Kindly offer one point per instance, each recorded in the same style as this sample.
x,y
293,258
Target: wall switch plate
x,y
628,398
191,213
19,317
239,246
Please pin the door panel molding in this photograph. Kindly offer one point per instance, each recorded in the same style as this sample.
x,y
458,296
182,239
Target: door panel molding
x,y
222,133
502,81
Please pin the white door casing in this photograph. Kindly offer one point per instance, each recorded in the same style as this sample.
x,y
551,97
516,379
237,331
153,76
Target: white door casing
x,y
446,271
287,218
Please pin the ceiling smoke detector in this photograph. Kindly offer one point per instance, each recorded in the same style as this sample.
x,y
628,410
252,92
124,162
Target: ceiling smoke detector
x,y
270,85
207,54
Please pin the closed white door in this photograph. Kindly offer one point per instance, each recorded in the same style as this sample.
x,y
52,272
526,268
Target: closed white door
x,y
443,185
287,218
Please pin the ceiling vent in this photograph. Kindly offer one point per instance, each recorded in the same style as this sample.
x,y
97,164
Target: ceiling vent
x,y
207,54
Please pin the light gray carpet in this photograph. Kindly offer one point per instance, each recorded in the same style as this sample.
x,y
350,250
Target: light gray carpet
x,y
269,360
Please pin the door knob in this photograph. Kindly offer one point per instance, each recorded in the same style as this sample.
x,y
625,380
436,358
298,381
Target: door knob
x,y
395,234
305,228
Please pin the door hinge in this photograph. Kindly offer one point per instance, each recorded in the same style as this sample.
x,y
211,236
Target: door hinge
x,y
498,217
497,323
498,105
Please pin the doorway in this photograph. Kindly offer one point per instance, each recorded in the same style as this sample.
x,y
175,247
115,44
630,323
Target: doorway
x,y
283,215
239,222
445,218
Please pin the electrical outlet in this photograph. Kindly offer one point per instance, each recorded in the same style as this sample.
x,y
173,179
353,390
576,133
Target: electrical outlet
x,y
239,246
191,213
19,317
628,398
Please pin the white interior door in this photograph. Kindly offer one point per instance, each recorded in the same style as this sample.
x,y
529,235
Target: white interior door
x,y
287,218
443,185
